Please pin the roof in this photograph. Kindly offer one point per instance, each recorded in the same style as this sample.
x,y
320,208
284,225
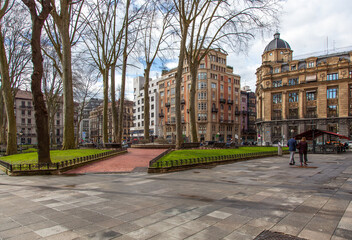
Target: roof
x,y
317,133
276,43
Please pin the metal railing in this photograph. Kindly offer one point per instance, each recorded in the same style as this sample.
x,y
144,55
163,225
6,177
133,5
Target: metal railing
x,y
58,165
209,160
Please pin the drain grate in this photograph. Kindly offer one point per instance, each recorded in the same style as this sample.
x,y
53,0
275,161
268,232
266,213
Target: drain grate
x,y
268,235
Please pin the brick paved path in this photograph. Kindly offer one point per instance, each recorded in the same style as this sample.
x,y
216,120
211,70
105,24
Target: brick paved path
x,y
135,158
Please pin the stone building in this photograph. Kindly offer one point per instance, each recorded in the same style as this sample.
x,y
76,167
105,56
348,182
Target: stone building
x,y
25,120
296,95
137,130
217,100
248,115
85,127
96,122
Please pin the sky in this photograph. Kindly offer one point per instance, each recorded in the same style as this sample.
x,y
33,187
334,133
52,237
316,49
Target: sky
x,y
309,26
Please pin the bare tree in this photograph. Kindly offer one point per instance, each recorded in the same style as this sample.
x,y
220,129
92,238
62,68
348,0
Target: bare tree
x,y
6,87
103,40
223,24
52,86
41,113
69,28
84,90
2,120
187,11
154,35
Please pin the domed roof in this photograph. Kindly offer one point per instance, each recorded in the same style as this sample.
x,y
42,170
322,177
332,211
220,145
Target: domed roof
x,y
276,43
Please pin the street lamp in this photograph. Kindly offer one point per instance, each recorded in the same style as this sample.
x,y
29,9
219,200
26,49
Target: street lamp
x,y
21,134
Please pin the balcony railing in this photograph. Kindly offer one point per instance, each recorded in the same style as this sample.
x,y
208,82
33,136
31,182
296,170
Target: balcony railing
x,y
293,116
183,101
274,118
310,116
167,104
222,100
214,110
161,115
237,113
229,101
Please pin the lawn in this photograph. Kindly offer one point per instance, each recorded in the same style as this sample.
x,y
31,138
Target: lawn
x,y
200,153
56,155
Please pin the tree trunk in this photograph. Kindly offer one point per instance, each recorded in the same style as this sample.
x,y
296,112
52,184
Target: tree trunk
x,y
113,104
123,78
2,120
41,113
192,101
69,135
179,78
105,108
146,102
8,99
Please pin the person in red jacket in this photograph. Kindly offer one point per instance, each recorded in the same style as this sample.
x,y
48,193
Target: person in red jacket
x,y
303,149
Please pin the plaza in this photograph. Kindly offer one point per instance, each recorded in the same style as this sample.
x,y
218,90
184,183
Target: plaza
x,y
232,201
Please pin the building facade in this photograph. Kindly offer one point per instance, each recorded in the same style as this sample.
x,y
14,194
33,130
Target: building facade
x,y
96,122
85,126
294,96
25,120
248,116
137,130
217,100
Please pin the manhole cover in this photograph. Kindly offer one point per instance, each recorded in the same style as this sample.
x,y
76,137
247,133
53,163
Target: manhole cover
x,y
268,235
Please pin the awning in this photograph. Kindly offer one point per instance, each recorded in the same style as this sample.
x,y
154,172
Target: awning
x,y
317,133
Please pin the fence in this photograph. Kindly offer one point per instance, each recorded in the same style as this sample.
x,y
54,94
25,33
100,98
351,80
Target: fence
x,y
12,168
209,160
154,160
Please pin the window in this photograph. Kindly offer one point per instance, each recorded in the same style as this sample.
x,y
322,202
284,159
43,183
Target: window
x,y
332,76
202,65
29,121
161,94
293,67
202,75
23,112
172,100
293,81
332,110
293,97
152,99
277,70
221,87
152,123
57,122
277,83
229,89
202,85
172,91
202,95
277,98
23,121
23,103
202,106
213,85
152,115
311,64
311,96
331,93
229,80
152,106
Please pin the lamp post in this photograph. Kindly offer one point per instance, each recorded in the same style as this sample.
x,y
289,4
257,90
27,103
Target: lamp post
x,y
21,134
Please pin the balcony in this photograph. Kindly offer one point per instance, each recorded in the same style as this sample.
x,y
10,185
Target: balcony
x,y
161,115
293,116
214,110
183,101
202,119
222,100
237,113
229,101
274,118
244,112
167,104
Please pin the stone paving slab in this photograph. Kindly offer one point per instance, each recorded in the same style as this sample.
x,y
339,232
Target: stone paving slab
x,y
233,201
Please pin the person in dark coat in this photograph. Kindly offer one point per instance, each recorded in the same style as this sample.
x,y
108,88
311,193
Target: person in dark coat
x,y
291,144
303,149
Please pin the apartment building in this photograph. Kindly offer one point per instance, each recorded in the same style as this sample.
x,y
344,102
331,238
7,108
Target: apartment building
x,y
248,115
25,120
96,122
217,100
137,131
296,95
85,127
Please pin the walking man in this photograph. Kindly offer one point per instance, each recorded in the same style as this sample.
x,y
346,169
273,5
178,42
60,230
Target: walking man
x,y
291,144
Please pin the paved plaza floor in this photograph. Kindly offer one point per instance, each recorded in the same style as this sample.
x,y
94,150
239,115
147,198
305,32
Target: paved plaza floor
x,y
233,201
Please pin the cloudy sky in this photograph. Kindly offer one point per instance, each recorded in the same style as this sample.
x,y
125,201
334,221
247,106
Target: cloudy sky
x,y
309,26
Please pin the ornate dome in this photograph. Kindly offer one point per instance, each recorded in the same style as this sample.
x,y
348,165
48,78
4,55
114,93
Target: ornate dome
x,y
277,43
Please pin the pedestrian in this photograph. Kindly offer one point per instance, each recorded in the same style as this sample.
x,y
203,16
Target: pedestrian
x,y
291,144
303,149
